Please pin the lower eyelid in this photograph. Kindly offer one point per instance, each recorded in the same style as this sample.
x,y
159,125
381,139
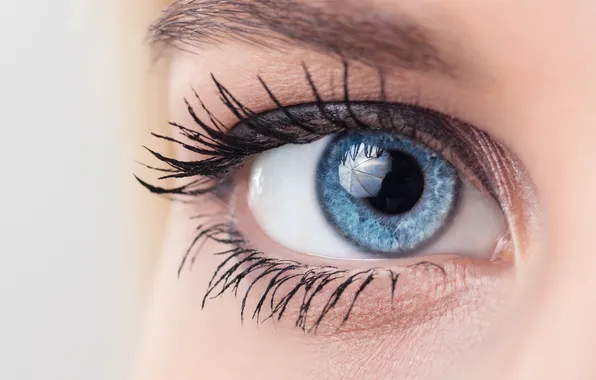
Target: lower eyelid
x,y
399,298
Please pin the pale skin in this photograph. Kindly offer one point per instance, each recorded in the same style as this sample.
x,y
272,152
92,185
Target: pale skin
x,y
528,79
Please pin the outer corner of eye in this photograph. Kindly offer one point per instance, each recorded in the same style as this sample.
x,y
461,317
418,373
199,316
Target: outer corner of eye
x,y
370,195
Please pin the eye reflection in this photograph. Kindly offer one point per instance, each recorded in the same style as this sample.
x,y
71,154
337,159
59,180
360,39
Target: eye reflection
x,y
391,181
362,171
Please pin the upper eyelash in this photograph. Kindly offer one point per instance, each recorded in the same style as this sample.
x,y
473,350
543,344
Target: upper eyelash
x,y
226,152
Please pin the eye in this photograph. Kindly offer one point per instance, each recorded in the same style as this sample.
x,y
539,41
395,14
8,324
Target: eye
x,y
346,180
371,195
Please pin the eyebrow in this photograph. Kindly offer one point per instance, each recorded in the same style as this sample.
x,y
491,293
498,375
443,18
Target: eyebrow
x,y
344,28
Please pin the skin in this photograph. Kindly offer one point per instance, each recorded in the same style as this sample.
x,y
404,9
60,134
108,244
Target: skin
x,y
531,86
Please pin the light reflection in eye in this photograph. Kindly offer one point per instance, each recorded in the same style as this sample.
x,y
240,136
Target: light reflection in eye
x,y
312,199
363,169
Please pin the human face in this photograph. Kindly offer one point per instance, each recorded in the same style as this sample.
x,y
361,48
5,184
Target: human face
x,y
517,76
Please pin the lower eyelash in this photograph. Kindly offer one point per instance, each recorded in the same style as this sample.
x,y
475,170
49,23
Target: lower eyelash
x,y
243,265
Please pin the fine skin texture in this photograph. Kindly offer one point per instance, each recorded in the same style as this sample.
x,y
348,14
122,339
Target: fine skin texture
x,y
522,71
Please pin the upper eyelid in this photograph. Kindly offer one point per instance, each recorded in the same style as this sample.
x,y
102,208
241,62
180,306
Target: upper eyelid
x,y
224,149
244,114
275,128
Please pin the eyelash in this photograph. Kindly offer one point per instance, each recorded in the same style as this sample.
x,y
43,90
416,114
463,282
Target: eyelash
x,y
229,275
227,152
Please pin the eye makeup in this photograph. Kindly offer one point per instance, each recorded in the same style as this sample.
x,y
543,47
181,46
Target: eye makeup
x,y
313,291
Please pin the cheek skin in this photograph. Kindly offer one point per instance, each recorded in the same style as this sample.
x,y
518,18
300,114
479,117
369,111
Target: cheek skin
x,y
184,342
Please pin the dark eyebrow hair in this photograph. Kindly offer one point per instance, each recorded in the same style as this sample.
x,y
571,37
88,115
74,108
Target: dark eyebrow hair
x,y
341,27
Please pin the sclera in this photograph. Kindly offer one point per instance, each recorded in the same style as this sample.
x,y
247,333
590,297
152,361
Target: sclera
x,y
283,200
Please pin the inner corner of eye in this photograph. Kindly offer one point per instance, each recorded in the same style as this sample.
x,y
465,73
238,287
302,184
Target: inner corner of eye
x,y
369,196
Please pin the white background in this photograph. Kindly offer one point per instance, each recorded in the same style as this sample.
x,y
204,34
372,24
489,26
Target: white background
x,y
72,283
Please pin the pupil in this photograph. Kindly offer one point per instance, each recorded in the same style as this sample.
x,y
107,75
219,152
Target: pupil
x,y
401,188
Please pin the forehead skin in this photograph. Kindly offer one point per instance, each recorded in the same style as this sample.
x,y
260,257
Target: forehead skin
x,y
537,95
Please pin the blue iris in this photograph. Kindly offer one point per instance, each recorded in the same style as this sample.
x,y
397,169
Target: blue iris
x,y
384,192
